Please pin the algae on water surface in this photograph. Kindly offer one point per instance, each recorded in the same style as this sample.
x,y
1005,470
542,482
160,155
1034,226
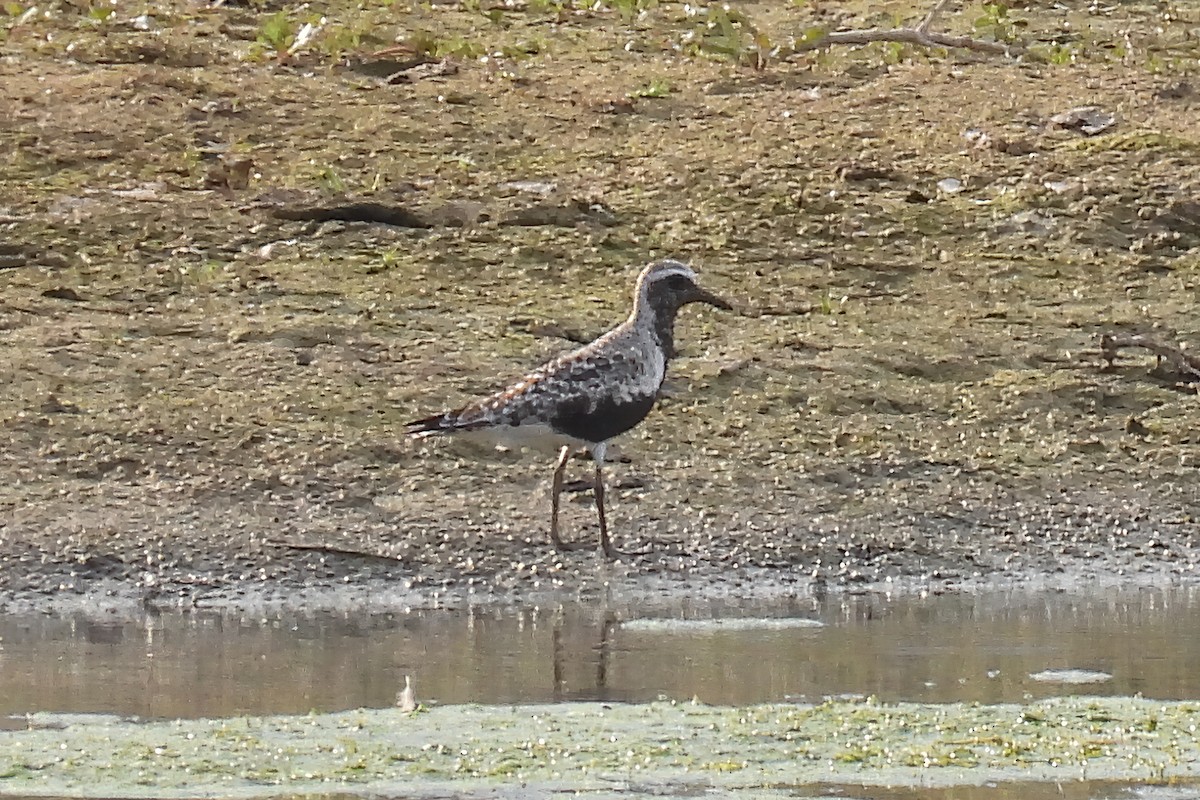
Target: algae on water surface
x,y
587,746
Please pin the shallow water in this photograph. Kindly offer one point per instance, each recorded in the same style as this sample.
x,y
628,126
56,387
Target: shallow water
x,y
986,648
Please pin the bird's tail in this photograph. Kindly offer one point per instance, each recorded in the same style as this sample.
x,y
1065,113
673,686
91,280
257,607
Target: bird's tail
x,y
467,418
431,426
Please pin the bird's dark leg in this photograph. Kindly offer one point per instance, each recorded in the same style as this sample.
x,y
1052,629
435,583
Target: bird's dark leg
x,y
605,543
598,491
555,492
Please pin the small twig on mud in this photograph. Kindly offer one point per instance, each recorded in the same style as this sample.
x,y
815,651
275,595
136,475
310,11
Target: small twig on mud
x,y
330,549
919,35
1175,358
925,24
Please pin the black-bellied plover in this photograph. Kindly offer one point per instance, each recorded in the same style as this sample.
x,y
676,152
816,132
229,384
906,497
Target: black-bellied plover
x,y
586,397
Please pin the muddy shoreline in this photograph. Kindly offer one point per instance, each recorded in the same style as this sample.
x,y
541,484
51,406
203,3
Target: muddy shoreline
x,y
651,583
230,272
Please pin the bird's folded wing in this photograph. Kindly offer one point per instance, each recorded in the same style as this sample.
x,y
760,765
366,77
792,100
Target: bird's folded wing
x,y
574,382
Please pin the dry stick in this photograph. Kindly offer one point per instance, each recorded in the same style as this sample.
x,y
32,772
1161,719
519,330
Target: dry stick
x,y
1175,357
920,35
330,549
925,24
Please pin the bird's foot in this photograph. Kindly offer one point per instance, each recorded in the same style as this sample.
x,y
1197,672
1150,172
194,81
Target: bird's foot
x,y
612,553
567,547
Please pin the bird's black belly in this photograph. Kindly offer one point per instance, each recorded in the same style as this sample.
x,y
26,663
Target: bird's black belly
x,y
608,419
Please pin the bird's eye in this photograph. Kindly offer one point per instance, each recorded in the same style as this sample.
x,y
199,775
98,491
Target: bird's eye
x,y
678,283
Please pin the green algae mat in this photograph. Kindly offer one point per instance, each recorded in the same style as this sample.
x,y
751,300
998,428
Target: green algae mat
x,y
592,748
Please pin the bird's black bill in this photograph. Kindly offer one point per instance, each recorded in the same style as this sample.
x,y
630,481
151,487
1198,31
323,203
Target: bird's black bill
x,y
705,296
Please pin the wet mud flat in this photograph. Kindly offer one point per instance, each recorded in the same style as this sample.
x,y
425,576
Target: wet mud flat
x,y
664,748
209,357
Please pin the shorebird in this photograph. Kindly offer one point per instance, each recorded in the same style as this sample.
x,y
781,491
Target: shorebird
x,y
586,397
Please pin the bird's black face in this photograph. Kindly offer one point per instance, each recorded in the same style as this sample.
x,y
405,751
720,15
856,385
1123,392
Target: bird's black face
x,y
677,289
664,288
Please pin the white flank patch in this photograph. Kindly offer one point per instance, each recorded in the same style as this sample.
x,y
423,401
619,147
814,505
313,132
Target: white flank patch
x,y
531,436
